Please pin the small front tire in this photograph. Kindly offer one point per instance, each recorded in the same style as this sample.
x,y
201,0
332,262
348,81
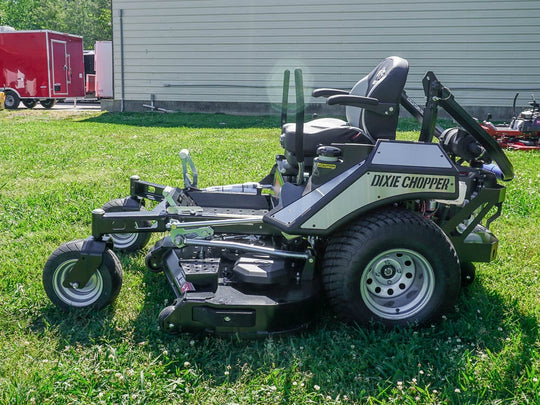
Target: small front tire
x,y
101,289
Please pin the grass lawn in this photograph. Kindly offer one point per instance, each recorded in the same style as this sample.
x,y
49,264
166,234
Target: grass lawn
x,y
56,167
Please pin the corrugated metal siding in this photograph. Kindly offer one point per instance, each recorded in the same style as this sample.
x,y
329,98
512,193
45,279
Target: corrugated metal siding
x,y
236,50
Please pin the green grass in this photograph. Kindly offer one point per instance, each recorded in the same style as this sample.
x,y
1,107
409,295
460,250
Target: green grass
x,y
56,167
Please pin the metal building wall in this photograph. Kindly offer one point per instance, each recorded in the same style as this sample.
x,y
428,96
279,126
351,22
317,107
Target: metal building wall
x,y
228,55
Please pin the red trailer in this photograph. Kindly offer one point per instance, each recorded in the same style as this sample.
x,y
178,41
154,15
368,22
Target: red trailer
x,y
40,66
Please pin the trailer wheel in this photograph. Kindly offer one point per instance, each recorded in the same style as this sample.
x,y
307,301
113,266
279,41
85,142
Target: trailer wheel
x,y
127,242
29,102
101,289
12,100
394,267
48,103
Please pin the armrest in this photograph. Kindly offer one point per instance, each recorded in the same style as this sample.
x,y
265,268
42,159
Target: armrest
x,y
328,92
353,101
367,103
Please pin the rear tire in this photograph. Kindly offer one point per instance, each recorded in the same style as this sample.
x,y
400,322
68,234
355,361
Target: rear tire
x,y
12,100
127,242
101,289
394,267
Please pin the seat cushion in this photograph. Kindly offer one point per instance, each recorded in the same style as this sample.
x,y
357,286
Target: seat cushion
x,y
322,123
323,131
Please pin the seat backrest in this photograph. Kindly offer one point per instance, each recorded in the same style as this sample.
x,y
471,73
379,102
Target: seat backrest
x,y
385,83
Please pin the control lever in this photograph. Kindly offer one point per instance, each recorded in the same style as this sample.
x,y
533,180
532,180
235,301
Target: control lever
x,y
186,160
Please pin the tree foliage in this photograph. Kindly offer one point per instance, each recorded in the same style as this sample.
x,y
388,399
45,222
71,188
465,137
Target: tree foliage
x,y
89,18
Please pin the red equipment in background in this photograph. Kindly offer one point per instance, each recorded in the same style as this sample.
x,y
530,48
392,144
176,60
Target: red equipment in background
x,y
523,132
40,66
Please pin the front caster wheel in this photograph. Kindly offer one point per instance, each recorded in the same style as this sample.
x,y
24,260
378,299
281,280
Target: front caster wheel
x,y
394,267
127,242
101,289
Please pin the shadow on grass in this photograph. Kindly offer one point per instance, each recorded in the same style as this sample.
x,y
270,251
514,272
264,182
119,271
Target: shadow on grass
x,y
82,327
219,121
191,120
340,359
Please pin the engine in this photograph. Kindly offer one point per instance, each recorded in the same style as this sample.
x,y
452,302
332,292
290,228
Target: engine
x,y
528,121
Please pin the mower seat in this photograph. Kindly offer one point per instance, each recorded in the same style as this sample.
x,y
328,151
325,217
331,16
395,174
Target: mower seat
x,y
371,116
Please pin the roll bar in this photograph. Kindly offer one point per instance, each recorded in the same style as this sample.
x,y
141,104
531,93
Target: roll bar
x,y
438,95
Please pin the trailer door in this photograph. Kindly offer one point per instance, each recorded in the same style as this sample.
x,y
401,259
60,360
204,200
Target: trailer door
x,y
60,67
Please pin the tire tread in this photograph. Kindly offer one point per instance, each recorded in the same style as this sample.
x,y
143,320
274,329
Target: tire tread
x,y
343,246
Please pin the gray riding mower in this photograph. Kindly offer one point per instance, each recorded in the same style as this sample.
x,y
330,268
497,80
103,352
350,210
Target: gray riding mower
x,y
382,230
